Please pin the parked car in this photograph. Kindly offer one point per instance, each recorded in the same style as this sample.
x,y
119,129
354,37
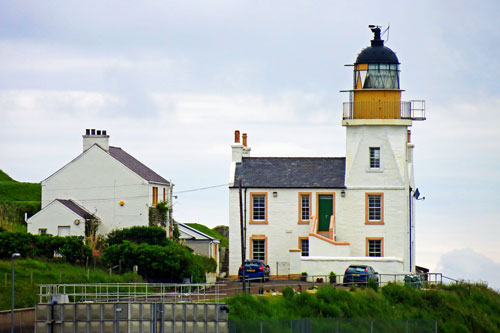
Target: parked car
x,y
255,270
359,274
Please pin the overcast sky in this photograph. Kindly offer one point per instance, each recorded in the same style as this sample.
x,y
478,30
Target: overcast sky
x,y
171,80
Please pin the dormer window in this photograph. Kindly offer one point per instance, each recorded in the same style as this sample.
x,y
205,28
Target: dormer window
x,y
374,157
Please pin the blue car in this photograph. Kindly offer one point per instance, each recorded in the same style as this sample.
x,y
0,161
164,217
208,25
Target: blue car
x,y
359,274
255,270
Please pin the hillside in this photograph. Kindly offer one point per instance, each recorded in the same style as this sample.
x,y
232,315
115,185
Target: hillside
x,y
456,308
17,198
210,232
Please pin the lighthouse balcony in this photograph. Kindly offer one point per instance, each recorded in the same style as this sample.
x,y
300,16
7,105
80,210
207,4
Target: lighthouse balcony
x,y
412,110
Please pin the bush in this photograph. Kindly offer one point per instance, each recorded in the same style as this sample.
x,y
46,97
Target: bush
x,y
170,263
43,246
372,283
138,235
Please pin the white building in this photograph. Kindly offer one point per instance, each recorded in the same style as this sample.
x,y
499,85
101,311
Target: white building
x,y
103,181
200,242
321,214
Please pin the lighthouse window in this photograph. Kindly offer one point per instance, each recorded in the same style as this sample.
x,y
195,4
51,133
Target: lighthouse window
x,y
374,208
374,157
382,76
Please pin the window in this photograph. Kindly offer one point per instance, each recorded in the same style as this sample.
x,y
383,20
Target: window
x,y
374,247
155,195
374,206
63,230
258,202
258,248
42,231
304,208
304,247
374,157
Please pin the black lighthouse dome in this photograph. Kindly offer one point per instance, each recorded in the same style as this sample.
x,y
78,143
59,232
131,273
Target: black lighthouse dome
x,y
377,53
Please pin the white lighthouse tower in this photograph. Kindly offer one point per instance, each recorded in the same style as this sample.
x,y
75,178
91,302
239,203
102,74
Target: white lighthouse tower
x,y
379,151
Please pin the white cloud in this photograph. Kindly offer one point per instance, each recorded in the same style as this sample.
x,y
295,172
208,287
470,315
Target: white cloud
x,y
470,265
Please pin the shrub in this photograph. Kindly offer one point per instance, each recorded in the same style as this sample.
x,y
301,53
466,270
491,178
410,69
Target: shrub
x,y
170,263
141,234
288,292
42,246
372,283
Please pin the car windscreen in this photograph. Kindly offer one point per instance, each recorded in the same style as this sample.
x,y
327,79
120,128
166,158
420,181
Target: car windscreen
x,y
356,269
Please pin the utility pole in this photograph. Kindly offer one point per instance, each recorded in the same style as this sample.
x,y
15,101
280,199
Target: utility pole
x,y
243,250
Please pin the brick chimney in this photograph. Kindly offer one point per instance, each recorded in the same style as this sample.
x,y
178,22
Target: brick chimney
x,y
93,136
240,150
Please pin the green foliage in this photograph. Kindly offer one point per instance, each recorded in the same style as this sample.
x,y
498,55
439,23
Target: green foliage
x,y
71,248
141,234
170,263
372,283
224,242
17,198
287,292
457,308
30,273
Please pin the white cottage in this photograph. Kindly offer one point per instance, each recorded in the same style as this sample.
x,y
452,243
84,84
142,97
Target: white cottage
x,y
321,214
104,182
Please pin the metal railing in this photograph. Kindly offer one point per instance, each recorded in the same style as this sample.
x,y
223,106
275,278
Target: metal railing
x,y
130,292
409,279
414,110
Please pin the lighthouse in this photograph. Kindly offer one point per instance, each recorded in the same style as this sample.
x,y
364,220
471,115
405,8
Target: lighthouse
x,y
379,151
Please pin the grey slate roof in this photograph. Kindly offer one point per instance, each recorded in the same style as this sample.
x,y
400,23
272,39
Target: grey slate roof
x,y
133,164
291,172
75,208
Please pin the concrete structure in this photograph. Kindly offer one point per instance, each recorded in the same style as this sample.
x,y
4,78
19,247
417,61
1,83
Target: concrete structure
x,y
318,215
103,182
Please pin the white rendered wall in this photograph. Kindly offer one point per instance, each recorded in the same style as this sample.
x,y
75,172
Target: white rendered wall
x,y
392,141
53,216
283,230
98,182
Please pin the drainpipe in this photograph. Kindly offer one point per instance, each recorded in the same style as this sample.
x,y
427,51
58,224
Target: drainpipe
x,y
410,215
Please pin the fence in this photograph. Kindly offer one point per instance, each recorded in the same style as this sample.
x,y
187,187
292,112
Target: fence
x,y
130,292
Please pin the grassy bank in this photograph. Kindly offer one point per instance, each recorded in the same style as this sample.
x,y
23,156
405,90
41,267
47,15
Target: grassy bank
x,y
31,273
16,199
210,232
456,308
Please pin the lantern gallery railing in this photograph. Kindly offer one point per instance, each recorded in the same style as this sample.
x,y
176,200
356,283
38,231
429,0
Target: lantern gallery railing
x,y
414,110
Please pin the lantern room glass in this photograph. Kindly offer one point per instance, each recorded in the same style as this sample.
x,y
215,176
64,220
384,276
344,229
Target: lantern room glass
x,y
377,76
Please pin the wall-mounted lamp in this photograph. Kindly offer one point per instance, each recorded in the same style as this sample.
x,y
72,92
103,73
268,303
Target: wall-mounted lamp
x,y
275,194
122,203
342,194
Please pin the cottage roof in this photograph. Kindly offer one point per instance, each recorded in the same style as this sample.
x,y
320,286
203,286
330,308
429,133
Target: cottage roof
x,y
291,172
75,208
135,165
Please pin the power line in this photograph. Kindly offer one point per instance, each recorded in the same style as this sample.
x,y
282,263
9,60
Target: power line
x,y
201,188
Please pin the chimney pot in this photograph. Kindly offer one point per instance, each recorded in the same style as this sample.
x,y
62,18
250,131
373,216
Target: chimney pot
x,y
87,131
93,131
244,139
98,132
236,136
104,132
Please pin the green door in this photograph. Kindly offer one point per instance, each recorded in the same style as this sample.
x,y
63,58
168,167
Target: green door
x,y
325,211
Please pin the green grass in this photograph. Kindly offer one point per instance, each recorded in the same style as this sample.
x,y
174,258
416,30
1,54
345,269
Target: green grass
x,y
456,308
17,198
30,273
212,233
